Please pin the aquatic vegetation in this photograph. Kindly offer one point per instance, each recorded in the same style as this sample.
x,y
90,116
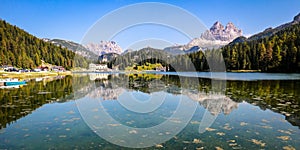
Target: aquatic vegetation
x,y
243,124
71,112
114,125
186,142
220,133
233,144
257,142
197,141
195,122
231,141
26,135
218,148
265,121
62,136
159,146
175,120
284,131
227,127
266,127
210,129
284,138
288,148
133,131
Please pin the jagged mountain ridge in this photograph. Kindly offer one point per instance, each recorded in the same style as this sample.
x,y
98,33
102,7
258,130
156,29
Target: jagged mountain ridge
x,y
216,36
104,47
218,32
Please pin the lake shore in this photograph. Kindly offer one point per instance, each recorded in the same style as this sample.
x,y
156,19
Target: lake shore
x,y
244,71
25,75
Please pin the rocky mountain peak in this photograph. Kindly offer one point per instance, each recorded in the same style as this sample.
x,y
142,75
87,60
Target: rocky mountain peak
x,y
216,36
297,18
230,26
104,47
218,32
217,27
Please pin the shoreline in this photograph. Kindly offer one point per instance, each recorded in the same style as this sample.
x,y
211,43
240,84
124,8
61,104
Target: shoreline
x,y
237,71
25,75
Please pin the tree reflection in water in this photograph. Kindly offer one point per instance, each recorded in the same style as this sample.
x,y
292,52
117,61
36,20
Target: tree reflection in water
x,y
280,96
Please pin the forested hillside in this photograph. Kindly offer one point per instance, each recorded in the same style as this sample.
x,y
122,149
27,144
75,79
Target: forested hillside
x,y
21,49
182,62
277,53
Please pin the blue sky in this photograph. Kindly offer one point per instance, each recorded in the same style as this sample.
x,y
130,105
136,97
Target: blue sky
x,y
70,20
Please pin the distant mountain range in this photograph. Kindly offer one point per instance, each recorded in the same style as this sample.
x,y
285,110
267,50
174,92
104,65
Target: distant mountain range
x,y
75,47
216,36
90,51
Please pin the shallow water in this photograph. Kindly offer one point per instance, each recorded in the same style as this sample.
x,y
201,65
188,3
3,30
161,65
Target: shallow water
x,y
96,110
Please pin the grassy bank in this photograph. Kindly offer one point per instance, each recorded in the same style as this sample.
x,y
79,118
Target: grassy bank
x,y
245,71
26,75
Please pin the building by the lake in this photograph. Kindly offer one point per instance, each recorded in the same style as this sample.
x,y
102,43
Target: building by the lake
x,y
98,67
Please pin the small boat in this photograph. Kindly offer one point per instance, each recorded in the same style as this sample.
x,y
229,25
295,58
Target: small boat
x,y
38,79
12,82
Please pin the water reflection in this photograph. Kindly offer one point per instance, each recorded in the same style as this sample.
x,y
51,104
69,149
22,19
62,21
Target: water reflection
x,y
17,103
251,114
278,96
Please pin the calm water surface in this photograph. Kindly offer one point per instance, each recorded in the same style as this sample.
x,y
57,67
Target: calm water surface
x,y
249,111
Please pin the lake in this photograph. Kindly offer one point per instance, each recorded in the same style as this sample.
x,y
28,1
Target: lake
x,y
155,110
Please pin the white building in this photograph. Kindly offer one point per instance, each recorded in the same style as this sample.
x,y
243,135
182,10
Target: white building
x,y
98,67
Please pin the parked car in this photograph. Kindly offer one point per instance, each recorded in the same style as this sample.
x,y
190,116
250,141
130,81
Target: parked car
x,y
24,70
11,69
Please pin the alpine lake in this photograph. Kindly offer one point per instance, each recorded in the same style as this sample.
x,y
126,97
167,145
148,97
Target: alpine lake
x,y
155,110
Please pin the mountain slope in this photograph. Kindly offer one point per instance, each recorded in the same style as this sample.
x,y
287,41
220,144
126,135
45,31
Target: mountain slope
x,y
271,31
75,47
21,49
107,57
275,50
153,56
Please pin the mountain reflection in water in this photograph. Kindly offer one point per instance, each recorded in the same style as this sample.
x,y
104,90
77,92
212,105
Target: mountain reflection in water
x,y
280,96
